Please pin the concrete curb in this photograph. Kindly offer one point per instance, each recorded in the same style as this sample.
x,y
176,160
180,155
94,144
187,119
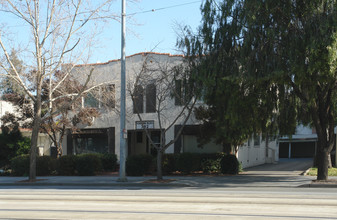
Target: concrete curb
x,y
112,184
313,185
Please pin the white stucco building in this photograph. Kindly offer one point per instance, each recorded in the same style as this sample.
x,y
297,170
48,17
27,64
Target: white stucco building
x,y
5,107
44,141
141,73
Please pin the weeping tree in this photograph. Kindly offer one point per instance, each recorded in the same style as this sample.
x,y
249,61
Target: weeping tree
x,y
57,32
238,103
285,51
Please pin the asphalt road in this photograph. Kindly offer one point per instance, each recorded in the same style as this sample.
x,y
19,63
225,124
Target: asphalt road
x,y
182,203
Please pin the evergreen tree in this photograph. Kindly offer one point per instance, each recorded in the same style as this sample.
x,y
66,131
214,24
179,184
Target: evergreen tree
x,y
284,55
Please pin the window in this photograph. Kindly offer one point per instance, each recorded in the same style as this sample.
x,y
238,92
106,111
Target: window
x,y
90,143
103,96
182,93
107,94
178,93
90,101
256,140
138,97
150,98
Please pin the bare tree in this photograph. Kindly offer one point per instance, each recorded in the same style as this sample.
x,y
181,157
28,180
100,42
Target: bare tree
x,y
60,31
169,95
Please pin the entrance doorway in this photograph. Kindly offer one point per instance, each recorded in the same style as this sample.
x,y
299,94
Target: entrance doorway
x,y
139,143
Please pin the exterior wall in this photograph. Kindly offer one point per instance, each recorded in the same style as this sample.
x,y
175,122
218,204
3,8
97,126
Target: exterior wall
x,y
252,155
248,154
110,73
190,144
43,142
5,107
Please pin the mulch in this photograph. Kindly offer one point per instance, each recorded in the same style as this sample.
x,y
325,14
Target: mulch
x,y
31,181
159,181
334,181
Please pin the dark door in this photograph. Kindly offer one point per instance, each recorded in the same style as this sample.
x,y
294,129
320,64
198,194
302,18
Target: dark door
x,y
284,149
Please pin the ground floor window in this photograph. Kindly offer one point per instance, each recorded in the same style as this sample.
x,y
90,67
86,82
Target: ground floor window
x,y
93,143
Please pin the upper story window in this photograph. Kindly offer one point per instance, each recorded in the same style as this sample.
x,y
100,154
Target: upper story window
x,y
102,97
138,99
90,101
150,99
182,93
107,96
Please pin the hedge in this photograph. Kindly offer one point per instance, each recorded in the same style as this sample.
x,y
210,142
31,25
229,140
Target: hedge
x,y
139,165
45,166
20,165
88,164
230,165
136,165
66,165
83,164
109,162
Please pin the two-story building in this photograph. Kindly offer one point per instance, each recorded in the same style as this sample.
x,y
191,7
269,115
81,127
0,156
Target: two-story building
x,y
146,108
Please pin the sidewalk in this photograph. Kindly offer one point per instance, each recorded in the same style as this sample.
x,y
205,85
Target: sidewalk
x,y
287,173
242,180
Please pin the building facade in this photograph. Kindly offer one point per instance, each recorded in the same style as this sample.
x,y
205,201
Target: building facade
x,y
147,74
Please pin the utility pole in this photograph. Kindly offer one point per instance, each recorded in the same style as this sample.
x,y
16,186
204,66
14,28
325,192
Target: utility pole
x,y
123,132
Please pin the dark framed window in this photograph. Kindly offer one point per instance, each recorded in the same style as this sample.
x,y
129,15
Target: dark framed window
x,y
138,99
256,140
178,92
108,96
182,93
150,98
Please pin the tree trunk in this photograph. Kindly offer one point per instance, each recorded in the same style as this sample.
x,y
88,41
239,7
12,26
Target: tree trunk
x,y
227,148
322,164
33,147
159,167
329,161
35,134
59,150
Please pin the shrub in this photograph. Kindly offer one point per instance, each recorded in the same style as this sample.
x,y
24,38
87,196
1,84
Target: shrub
x,y
109,162
211,165
20,165
45,165
230,165
168,163
88,164
188,162
12,144
138,165
66,165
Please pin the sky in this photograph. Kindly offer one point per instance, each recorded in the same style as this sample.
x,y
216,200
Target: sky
x,y
150,31
152,25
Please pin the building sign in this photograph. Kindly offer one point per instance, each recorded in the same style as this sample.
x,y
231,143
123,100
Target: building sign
x,y
144,125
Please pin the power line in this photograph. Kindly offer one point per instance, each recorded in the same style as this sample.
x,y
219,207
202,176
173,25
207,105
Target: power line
x,y
163,8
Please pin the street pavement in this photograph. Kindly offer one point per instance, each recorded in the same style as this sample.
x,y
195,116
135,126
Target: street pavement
x,y
270,191
286,173
178,203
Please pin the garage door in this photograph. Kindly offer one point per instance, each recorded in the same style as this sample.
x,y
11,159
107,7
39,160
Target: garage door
x,y
298,149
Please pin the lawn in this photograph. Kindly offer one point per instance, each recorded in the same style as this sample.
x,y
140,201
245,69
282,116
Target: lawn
x,y
313,172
